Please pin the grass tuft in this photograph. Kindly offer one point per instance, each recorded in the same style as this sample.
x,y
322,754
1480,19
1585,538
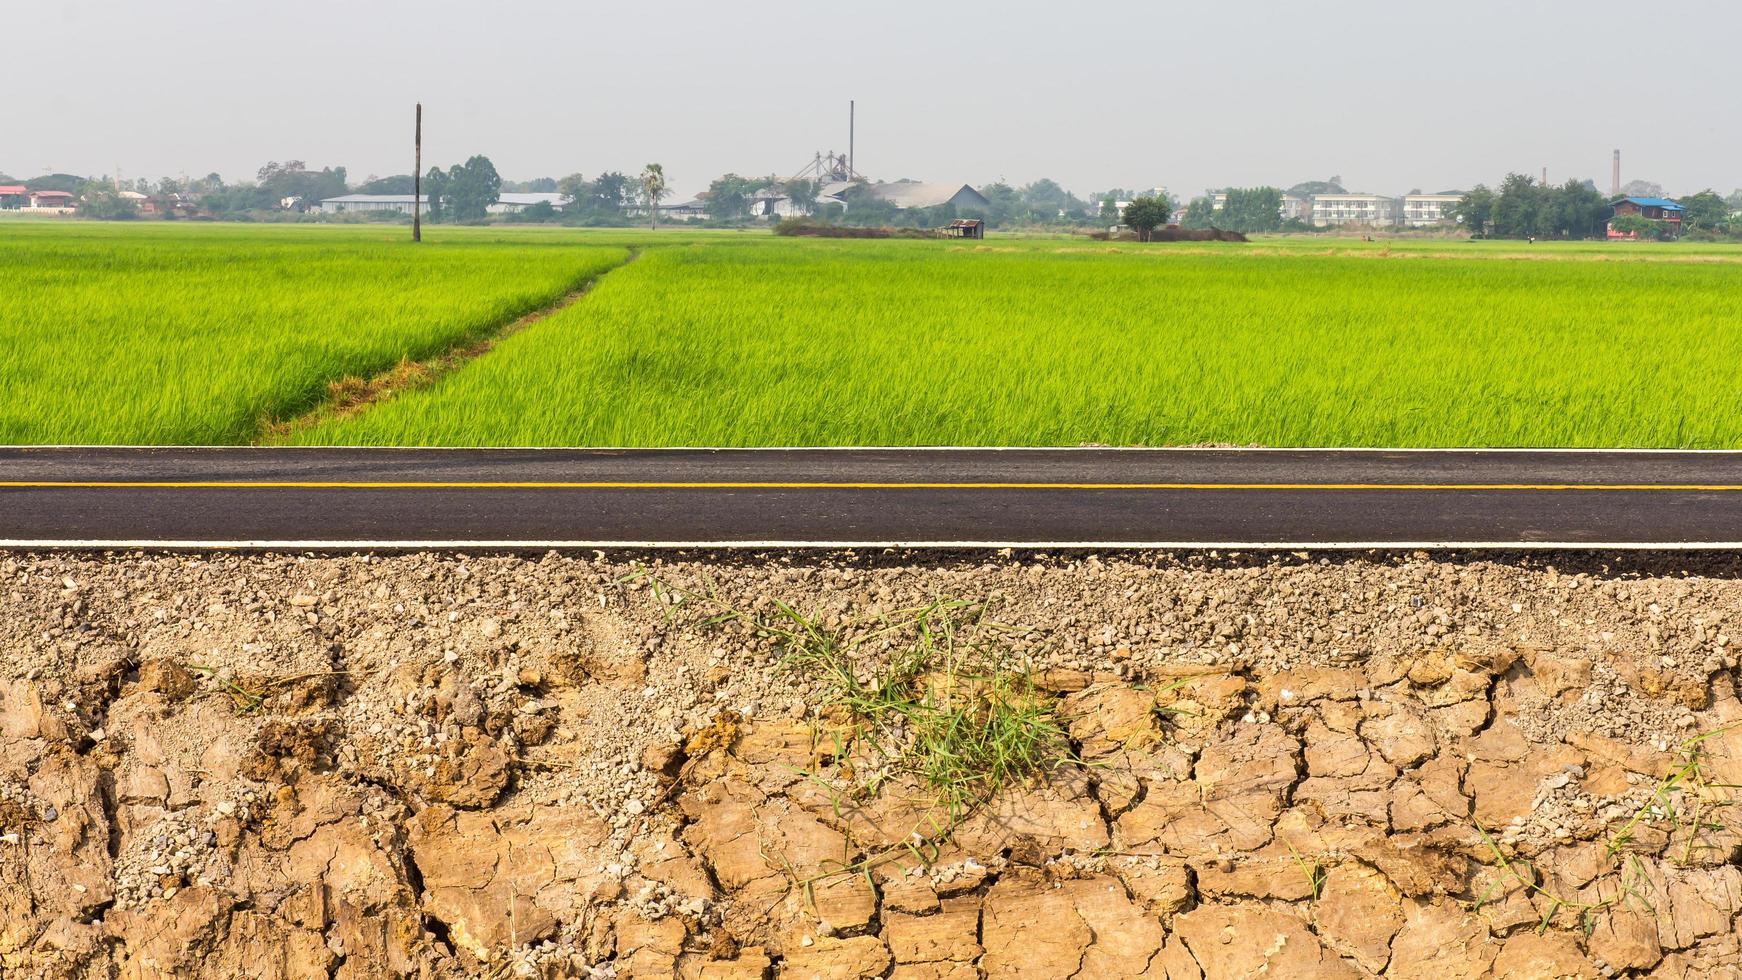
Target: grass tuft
x,y
927,693
947,707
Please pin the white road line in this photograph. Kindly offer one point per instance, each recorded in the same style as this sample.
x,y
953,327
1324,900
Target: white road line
x,y
905,449
515,545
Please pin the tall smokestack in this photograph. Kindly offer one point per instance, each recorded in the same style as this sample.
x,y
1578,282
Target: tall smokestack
x,y
1545,176
851,172
1615,178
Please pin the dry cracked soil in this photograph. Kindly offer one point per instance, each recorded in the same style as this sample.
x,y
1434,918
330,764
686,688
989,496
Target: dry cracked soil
x,y
444,765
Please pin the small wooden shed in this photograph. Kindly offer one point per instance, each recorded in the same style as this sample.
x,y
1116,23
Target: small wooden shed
x,y
965,228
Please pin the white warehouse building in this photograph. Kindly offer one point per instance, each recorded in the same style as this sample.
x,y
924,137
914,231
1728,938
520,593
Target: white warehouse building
x,y
399,202
510,202
505,203
372,202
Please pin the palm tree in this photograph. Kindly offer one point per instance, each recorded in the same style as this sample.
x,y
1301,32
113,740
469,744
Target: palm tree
x,y
653,188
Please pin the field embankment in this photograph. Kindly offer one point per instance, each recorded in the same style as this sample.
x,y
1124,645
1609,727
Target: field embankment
x,y
351,395
206,335
797,765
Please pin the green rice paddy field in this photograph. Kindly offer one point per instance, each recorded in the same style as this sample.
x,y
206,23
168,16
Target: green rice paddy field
x,y
216,334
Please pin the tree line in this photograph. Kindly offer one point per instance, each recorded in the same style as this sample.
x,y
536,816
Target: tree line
x,y
1520,207
462,192
1523,207
731,199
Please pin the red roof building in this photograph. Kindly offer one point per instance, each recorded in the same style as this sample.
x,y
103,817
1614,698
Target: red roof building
x,y
61,202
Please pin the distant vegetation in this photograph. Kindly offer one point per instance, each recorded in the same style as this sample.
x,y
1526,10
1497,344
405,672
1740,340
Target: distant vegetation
x,y
462,193
806,228
1246,209
1522,207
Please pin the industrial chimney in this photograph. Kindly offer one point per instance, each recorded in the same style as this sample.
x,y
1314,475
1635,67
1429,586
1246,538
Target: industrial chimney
x,y
1615,177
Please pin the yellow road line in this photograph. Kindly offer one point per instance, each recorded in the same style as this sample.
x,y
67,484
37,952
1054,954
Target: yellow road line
x,y
747,485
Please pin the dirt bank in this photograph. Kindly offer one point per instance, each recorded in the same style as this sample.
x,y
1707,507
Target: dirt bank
x,y
794,766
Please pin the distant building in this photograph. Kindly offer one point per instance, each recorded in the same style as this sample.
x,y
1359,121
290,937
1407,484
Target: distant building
x,y
1374,210
507,203
13,196
1428,210
965,228
51,202
348,203
771,202
512,202
141,201
921,194
1290,208
907,194
1651,208
694,209
1120,206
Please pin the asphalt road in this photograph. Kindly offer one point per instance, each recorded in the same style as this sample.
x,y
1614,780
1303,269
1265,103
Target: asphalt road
x,y
341,498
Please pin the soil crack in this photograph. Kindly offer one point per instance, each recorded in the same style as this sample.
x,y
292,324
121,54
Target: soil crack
x,y
351,395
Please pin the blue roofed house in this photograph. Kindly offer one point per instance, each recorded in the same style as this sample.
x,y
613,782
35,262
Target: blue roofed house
x,y
1651,208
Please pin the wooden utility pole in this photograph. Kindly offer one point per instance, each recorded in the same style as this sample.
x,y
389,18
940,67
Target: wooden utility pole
x,y
417,179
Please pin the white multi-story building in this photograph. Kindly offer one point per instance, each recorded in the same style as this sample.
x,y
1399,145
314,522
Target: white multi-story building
x,y
1428,210
1373,210
1354,209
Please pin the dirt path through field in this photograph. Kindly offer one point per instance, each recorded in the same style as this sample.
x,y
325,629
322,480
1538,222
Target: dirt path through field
x,y
783,765
350,395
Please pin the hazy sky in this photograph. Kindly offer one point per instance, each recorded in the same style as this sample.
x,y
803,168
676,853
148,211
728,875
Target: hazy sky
x,y
1389,94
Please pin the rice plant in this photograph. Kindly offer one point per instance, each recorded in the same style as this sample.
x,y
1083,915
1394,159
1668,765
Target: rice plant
x,y
739,342
167,333
170,334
